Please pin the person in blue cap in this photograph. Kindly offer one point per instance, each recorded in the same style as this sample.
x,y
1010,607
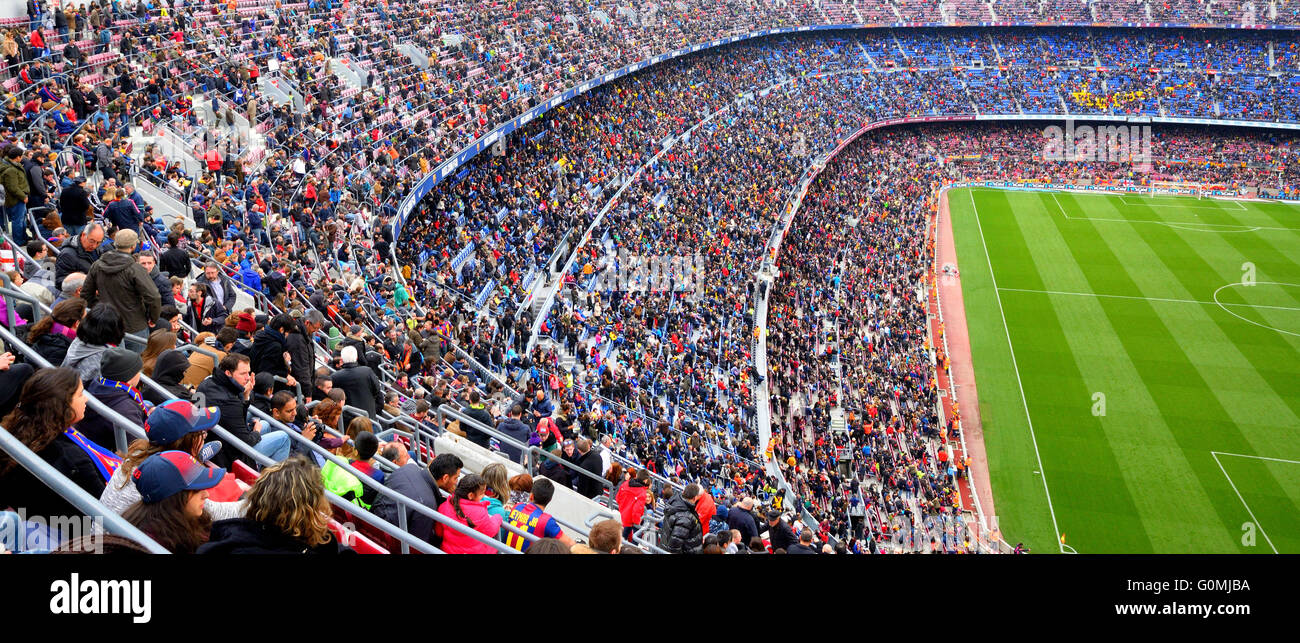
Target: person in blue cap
x,y
173,486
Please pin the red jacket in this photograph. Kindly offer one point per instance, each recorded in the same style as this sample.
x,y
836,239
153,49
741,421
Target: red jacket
x,y
631,502
454,542
705,507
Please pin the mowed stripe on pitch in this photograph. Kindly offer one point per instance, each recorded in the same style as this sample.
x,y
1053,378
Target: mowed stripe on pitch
x,y
1206,390
1171,503
1024,515
1098,510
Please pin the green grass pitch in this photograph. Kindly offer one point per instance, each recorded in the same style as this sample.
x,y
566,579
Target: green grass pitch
x,y
1135,395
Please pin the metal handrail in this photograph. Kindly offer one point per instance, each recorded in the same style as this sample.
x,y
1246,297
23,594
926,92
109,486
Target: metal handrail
x,y
69,491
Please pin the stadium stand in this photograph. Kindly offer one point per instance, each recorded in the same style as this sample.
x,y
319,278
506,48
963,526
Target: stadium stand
x,y
263,151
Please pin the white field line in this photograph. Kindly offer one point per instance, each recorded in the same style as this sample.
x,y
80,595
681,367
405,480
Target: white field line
x,y
1123,198
1019,383
1215,455
1161,299
1227,227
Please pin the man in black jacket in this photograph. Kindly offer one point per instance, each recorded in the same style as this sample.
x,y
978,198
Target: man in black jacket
x,y
357,382
269,347
476,411
741,518
302,352
79,253
227,389
805,544
175,262
74,207
682,531
778,532
589,459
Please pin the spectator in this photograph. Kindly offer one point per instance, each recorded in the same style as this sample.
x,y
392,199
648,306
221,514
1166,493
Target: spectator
x,y
14,180
805,544
74,207
219,285
682,532
79,253
478,413
498,490
531,517
173,488
228,389
52,401
175,261
203,311
633,499
513,427
119,280
604,538
162,282
589,460
468,507
424,486
287,513
358,382
118,388
53,334
779,533
741,518
101,329
159,341
169,372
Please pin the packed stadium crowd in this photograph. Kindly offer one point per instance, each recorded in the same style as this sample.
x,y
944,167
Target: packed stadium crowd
x,y
282,310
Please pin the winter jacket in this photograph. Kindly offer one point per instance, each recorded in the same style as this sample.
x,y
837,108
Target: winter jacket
x,y
706,508
85,358
168,371
742,521
245,536
124,215
99,428
303,355
781,536
14,179
416,483
210,309
267,353
591,462
519,431
631,498
73,258
682,532
480,414
176,263
228,289
455,542
74,204
53,346
360,385
19,488
222,392
123,283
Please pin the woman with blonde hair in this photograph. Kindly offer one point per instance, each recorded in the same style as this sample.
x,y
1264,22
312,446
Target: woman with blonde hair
x,y
287,513
356,427
159,341
498,489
